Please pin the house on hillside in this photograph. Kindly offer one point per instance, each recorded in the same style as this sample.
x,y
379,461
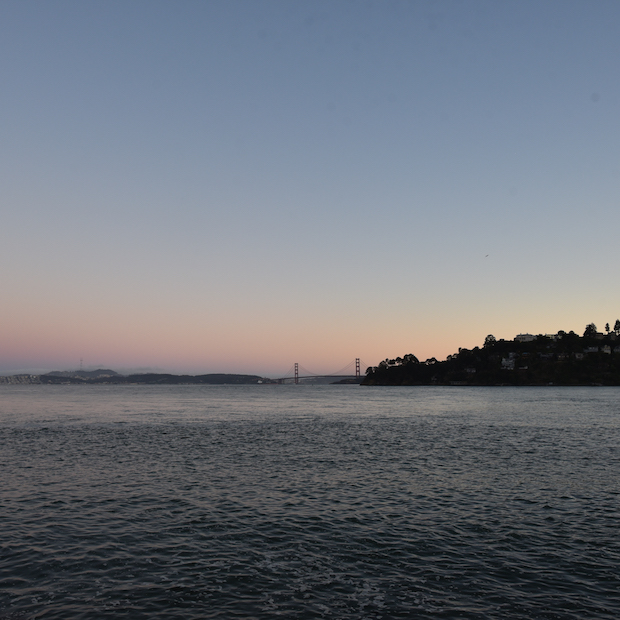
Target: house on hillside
x,y
525,338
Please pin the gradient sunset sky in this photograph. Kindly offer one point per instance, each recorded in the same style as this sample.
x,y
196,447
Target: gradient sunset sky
x,y
234,186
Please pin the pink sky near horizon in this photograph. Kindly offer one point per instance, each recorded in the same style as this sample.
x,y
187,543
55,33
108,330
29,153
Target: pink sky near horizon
x,y
61,343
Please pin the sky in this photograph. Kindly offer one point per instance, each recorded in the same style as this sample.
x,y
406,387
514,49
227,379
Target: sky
x,y
238,185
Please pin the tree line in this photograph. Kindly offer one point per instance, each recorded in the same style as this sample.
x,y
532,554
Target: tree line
x,y
564,358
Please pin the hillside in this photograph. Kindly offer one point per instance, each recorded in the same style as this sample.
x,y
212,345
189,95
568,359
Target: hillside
x,y
552,359
111,377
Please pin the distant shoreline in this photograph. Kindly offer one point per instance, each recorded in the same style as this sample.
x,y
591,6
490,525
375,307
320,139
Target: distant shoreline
x,y
109,377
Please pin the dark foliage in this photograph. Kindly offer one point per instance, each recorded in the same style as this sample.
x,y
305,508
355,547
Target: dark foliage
x,y
564,359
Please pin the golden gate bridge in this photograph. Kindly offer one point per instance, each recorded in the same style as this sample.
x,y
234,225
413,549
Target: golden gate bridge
x,y
297,372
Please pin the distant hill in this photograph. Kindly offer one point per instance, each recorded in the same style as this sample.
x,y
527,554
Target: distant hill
x,y
212,379
112,377
84,374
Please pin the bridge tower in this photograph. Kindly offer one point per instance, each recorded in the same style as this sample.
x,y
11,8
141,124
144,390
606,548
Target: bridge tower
x,y
296,372
358,372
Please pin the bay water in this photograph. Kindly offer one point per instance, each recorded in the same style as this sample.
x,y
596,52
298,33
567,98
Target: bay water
x,y
191,502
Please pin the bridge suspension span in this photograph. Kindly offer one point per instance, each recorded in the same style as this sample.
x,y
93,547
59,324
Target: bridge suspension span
x,y
297,372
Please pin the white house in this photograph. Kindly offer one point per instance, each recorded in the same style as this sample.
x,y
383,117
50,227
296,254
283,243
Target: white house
x,y
525,338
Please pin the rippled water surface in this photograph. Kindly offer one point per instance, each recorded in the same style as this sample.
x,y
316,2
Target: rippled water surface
x,y
190,502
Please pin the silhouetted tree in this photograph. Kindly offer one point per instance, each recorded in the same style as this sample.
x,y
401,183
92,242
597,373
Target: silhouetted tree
x,y
607,327
617,327
590,331
490,340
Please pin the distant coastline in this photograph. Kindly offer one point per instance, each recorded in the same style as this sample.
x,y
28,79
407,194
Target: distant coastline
x,y
110,377
549,359
564,358
106,377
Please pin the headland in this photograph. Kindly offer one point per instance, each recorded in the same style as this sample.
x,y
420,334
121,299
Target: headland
x,y
545,359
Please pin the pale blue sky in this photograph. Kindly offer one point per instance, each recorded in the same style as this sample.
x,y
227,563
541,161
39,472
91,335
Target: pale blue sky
x,y
234,186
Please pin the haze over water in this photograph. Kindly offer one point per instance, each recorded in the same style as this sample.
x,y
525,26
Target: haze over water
x,y
309,502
